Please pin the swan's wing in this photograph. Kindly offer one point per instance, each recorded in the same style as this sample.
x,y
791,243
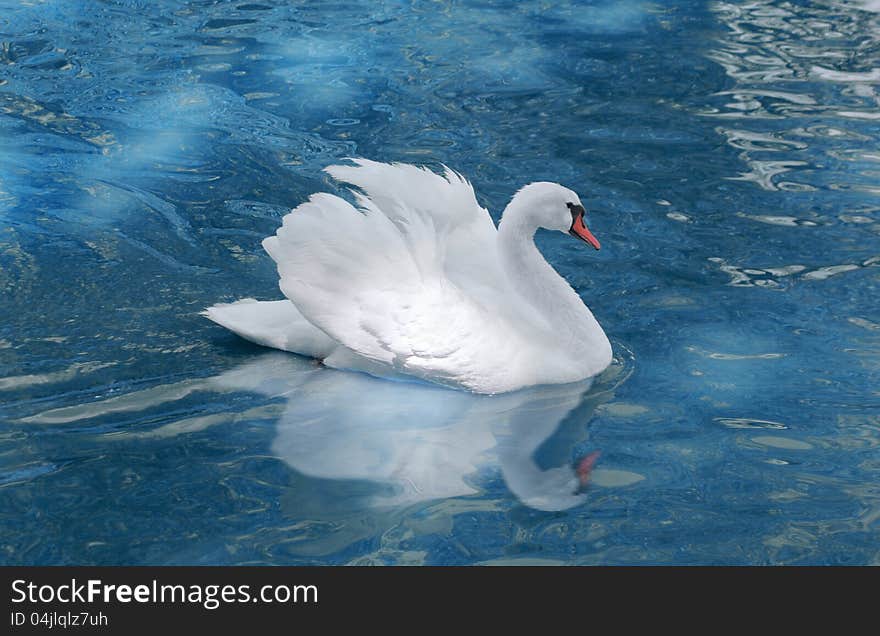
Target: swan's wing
x,y
464,230
380,289
403,190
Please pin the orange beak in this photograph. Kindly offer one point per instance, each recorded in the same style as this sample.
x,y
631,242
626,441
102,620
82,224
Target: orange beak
x,y
582,232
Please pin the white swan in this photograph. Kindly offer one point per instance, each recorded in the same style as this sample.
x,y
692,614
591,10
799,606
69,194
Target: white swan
x,y
418,283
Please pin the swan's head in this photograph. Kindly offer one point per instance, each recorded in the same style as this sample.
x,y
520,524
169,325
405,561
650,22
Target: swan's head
x,y
552,207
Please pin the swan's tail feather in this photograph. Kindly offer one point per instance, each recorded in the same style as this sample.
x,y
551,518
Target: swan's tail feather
x,y
275,324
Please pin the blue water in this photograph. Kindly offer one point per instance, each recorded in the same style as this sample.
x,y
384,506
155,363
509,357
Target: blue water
x,y
728,154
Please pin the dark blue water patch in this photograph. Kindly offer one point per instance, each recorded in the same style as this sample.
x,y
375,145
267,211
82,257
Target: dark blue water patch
x,y
726,154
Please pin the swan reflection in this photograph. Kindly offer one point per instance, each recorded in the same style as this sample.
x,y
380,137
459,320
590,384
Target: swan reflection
x,y
426,442
413,442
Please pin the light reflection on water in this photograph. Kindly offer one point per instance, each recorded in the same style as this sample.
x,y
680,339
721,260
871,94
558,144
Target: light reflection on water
x,y
791,65
727,153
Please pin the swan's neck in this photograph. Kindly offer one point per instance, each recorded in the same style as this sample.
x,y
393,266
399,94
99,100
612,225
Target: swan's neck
x,y
572,324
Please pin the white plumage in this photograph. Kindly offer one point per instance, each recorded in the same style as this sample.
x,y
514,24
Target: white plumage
x,y
416,282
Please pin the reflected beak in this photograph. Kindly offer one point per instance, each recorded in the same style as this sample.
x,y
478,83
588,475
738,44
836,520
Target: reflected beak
x,y
581,231
585,468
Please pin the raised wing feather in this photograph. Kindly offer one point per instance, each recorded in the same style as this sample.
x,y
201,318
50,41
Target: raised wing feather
x,y
464,231
376,282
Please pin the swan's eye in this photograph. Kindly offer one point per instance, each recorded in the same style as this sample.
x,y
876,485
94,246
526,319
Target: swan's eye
x,y
576,210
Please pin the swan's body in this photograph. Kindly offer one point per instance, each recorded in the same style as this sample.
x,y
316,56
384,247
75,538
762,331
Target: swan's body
x,y
418,283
